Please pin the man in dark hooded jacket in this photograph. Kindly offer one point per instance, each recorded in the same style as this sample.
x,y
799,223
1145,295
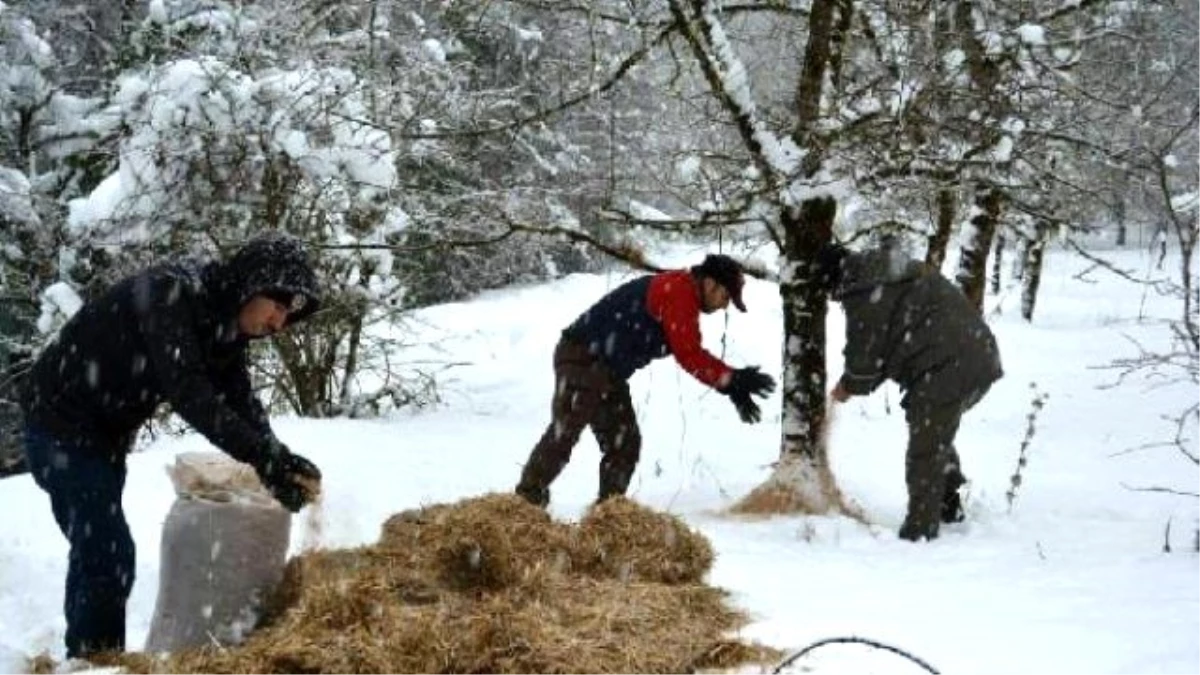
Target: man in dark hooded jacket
x,y
642,320
174,333
908,323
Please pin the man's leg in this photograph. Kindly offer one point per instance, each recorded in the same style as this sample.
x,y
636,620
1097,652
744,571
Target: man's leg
x,y
85,495
952,508
577,394
616,429
930,458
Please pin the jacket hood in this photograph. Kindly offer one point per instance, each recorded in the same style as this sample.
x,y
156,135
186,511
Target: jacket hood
x,y
273,265
870,269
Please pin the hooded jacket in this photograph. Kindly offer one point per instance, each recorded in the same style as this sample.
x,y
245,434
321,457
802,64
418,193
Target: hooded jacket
x,y
168,334
906,322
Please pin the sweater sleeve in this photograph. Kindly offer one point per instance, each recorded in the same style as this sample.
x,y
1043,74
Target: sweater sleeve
x,y
673,302
866,329
166,324
234,381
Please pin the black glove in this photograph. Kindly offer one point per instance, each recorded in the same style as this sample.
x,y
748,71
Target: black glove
x,y
747,409
292,479
744,383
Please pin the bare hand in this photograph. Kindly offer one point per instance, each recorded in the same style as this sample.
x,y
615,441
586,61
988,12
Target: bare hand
x,y
839,393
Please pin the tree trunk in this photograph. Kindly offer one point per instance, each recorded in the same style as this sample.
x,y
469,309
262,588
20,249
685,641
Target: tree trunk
x,y
805,230
997,261
804,309
1035,251
972,264
947,210
802,481
1122,227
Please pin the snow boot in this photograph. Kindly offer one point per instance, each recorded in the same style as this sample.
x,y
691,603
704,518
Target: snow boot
x,y
539,497
952,508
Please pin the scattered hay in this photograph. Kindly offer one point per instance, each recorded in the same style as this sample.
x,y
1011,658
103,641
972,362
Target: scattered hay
x,y
622,539
725,656
801,485
492,584
798,485
42,664
314,521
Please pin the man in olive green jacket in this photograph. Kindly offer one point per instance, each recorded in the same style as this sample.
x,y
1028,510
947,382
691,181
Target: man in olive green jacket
x,y
908,323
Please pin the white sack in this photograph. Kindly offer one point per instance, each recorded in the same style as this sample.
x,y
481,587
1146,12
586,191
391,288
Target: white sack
x,y
224,545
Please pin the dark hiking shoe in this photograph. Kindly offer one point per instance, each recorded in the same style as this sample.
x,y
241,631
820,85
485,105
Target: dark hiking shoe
x,y
911,531
539,497
952,508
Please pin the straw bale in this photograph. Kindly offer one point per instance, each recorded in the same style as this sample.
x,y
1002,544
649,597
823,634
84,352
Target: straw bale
x,y
583,625
404,530
620,538
394,607
486,542
314,569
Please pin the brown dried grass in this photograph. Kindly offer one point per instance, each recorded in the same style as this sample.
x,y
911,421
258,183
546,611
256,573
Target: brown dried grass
x,y
492,584
41,664
622,539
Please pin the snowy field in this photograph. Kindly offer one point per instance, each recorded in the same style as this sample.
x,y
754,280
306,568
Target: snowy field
x,y
1073,579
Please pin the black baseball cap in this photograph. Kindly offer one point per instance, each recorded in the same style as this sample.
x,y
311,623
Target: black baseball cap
x,y
727,272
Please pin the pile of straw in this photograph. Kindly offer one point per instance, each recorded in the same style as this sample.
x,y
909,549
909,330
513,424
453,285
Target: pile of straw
x,y
618,538
492,584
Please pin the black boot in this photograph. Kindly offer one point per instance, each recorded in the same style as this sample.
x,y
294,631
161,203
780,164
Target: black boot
x,y
614,479
538,496
913,530
952,508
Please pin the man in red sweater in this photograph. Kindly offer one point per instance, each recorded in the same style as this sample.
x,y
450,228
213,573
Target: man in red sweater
x,y
642,320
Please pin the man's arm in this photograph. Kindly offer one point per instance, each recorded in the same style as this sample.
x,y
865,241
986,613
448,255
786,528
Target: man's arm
x,y
166,325
866,331
674,303
234,381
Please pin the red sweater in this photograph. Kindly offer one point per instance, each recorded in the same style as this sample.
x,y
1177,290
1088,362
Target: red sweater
x,y
673,300
646,319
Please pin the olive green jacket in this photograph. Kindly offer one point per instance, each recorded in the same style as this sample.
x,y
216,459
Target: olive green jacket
x,y
908,323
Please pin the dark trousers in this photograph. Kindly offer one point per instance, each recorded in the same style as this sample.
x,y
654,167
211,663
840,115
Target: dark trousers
x,y
586,393
85,494
932,470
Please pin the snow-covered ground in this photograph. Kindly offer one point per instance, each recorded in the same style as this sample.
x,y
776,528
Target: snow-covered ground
x,y
1073,579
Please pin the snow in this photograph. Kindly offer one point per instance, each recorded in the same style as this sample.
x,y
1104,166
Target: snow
x,y
1072,580
643,211
1032,34
186,110
59,303
434,49
781,153
156,13
16,205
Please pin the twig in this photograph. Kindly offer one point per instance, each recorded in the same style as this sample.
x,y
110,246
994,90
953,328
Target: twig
x,y
1039,401
1164,490
851,640
1159,285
